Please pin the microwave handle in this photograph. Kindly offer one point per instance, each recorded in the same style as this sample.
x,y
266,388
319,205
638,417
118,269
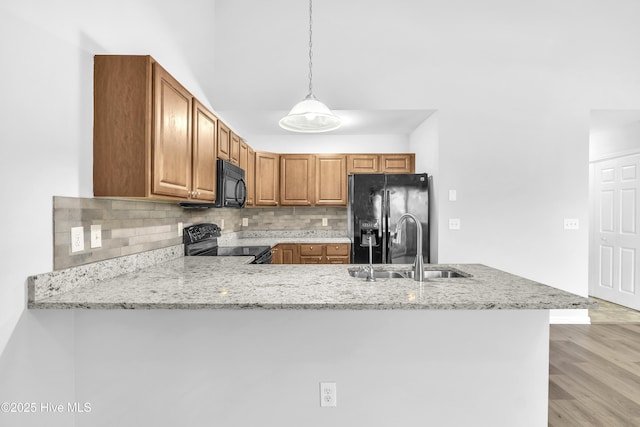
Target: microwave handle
x,y
244,192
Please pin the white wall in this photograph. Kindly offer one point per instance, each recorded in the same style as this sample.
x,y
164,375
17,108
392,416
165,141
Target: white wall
x,y
622,139
326,143
46,150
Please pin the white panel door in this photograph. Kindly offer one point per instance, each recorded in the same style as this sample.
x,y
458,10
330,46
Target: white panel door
x,y
615,251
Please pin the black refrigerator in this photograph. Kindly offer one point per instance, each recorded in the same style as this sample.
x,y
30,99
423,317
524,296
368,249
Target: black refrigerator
x,y
376,203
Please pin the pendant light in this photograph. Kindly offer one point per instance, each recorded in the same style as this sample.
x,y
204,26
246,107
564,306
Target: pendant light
x,y
310,115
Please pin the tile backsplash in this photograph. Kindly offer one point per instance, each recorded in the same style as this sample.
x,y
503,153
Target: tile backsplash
x,y
133,226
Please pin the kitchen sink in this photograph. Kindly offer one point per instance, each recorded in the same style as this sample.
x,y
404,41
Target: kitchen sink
x,y
363,273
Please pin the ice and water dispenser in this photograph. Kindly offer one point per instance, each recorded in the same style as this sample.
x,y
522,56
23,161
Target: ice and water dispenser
x,y
369,232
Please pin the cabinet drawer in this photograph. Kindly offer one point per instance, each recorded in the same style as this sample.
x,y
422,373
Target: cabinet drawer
x,y
311,260
340,249
312,249
337,260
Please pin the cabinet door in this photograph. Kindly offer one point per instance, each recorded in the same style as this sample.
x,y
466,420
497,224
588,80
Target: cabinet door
x,y
286,253
243,158
224,141
171,143
398,163
234,150
250,176
331,180
276,255
363,163
267,179
204,153
296,179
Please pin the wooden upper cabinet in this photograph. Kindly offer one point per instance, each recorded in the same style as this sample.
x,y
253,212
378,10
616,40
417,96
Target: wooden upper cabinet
x,y
247,163
224,141
330,180
250,176
381,163
363,163
398,163
122,120
267,182
142,141
296,179
204,153
234,149
171,146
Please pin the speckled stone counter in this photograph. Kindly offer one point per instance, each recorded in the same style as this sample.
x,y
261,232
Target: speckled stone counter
x,y
209,283
272,238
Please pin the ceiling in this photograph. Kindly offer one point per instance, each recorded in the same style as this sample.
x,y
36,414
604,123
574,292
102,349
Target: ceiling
x,y
354,122
360,63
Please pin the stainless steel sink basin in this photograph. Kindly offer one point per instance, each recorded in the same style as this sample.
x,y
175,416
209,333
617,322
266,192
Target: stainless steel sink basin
x,y
380,274
404,274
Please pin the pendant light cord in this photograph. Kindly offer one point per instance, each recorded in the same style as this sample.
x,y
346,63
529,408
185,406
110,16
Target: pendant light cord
x,y
310,48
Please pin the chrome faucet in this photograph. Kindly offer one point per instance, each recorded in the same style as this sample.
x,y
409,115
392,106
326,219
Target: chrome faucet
x,y
371,276
418,263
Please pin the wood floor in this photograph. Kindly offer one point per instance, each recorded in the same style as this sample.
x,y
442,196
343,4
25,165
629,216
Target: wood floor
x,y
594,375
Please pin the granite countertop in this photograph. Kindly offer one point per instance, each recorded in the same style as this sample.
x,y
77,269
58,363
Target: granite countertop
x,y
227,283
271,239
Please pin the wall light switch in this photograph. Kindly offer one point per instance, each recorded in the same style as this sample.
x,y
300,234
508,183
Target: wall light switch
x,y
77,239
325,222
453,195
96,236
222,224
245,222
180,229
454,223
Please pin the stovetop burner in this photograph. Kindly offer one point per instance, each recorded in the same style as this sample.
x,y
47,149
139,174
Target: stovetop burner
x,y
202,240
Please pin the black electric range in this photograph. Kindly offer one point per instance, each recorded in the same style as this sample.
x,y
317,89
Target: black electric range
x,y
202,240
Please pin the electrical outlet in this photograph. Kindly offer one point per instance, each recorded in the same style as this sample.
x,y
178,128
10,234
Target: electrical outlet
x,y
245,222
325,222
77,239
96,236
571,224
453,195
222,224
328,396
454,223
180,229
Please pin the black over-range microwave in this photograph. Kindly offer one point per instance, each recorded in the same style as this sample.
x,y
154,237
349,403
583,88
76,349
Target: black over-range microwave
x,y
231,188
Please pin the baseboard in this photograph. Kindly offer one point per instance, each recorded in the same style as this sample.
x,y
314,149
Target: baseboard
x,y
569,317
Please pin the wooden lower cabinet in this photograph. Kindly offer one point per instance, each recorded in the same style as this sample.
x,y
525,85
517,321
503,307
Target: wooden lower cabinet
x,y
311,253
338,253
285,253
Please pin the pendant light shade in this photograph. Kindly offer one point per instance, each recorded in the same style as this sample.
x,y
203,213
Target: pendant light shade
x,y
310,115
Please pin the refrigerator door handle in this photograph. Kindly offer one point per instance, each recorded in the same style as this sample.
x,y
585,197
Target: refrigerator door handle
x,y
386,237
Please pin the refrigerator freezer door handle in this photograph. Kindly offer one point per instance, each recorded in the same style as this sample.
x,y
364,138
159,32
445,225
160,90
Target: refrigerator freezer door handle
x,y
386,237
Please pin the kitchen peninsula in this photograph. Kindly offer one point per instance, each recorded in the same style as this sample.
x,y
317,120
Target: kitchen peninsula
x,y
470,350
